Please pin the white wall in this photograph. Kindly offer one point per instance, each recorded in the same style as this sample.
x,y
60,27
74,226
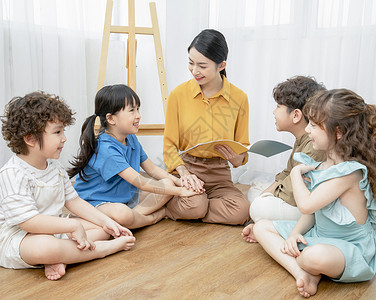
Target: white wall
x,y
54,45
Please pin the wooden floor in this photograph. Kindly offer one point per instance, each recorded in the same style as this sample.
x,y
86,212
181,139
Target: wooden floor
x,y
176,260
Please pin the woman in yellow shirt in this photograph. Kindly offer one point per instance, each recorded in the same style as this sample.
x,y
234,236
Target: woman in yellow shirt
x,y
203,109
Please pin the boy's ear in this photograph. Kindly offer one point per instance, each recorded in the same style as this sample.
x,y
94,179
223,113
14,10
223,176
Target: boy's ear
x,y
29,140
297,115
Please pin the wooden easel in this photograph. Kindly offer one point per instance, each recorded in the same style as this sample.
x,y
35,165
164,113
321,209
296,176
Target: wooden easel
x,y
132,30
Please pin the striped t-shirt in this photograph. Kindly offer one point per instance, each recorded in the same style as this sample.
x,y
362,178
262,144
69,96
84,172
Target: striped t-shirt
x,y
18,181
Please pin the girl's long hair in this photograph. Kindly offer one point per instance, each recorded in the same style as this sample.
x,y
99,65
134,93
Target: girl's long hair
x,y
108,101
344,111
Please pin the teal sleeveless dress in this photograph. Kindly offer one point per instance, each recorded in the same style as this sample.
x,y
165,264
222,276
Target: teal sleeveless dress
x,y
336,226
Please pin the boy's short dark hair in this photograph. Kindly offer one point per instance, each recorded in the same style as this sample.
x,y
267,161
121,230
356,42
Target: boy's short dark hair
x,y
295,91
29,115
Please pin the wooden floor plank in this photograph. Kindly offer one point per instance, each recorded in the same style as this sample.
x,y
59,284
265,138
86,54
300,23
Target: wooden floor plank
x,y
176,260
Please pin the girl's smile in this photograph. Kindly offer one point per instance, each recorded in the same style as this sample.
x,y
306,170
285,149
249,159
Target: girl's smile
x,y
319,137
124,122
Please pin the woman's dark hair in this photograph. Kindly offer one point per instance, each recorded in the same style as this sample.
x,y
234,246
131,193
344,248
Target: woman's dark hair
x,y
108,100
29,115
212,44
344,111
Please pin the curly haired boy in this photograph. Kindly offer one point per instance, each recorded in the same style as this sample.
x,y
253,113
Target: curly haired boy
x,y
34,187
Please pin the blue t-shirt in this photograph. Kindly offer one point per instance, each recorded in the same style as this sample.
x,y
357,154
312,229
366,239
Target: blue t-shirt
x,y
103,182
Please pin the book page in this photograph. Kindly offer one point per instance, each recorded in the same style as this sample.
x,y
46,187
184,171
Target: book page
x,y
266,148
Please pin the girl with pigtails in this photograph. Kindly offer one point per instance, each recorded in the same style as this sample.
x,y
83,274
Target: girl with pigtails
x,y
108,165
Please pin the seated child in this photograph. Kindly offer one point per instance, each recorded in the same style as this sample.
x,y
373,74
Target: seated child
x,y
277,201
108,165
34,187
335,235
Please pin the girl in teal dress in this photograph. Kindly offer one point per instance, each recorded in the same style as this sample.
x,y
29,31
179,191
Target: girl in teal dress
x,y
335,235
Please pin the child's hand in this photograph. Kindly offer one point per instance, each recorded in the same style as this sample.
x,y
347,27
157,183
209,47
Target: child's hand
x,y
115,229
79,236
188,192
302,169
176,180
290,245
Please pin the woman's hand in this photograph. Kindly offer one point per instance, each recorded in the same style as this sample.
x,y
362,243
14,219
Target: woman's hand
x,y
187,192
190,181
79,236
235,159
290,245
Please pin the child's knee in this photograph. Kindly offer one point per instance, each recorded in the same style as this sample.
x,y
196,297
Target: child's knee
x,y
260,209
48,247
255,210
122,214
312,257
253,194
261,227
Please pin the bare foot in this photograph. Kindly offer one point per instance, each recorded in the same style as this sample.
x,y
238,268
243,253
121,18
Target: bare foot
x,y
307,283
129,242
247,234
54,272
115,245
123,242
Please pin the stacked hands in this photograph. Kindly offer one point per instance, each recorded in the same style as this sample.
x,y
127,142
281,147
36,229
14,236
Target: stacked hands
x,y
194,185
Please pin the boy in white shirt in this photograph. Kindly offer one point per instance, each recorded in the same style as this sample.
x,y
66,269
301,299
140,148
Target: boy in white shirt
x,y
34,187
277,201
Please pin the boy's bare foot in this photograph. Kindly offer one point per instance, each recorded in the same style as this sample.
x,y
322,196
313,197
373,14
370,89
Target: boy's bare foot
x,y
54,272
129,242
247,234
123,243
115,245
307,283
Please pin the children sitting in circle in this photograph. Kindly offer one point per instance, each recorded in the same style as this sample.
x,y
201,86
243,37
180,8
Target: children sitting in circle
x,y
317,218
108,165
34,187
335,235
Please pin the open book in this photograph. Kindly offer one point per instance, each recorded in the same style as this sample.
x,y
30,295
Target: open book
x,y
264,147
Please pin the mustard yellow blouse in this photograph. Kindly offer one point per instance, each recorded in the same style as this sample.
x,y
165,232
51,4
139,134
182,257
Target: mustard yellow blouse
x,y
191,118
